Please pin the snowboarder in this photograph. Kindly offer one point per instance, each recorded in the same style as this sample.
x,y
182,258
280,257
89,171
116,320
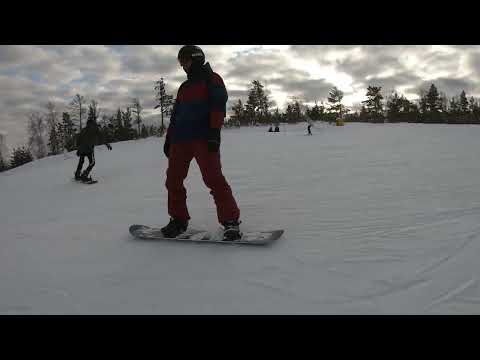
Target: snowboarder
x,y
87,139
277,128
194,132
270,129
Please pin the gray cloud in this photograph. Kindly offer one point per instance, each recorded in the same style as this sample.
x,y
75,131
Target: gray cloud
x,y
149,59
15,55
307,90
375,64
257,66
391,83
451,87
474,64
321,52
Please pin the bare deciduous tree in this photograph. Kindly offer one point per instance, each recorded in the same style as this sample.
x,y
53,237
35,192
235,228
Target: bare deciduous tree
x,y
77,107
37,135
137,110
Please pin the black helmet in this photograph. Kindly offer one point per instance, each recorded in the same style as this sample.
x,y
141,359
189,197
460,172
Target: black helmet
x,y
192,52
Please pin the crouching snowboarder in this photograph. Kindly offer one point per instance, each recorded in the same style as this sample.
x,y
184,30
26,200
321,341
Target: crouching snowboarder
x,y
87,139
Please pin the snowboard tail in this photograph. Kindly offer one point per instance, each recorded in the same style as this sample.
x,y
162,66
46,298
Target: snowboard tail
x,y
145,232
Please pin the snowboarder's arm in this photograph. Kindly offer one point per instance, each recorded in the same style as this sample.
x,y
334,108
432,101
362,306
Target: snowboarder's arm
x,y
102,139
172,118
174,110
218,97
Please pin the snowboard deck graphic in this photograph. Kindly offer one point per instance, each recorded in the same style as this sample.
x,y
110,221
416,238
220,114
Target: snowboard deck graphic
x,y
145,232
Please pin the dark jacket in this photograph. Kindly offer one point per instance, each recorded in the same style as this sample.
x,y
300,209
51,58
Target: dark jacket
x,y
200,105
88,138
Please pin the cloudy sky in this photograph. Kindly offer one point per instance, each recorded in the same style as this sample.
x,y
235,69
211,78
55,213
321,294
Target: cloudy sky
x,y
30,76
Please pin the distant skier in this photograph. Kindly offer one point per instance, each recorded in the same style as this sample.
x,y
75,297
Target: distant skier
x,y
87,139
309,127
270,129
194,132
277,129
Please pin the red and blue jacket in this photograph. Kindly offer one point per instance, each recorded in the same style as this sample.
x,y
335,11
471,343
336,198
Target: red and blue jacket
x,y
200,105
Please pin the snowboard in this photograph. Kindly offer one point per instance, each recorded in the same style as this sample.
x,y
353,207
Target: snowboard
x,y
86,182
145,232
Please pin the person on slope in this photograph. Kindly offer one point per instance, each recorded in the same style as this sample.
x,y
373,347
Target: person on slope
x,y
194,132
309,126
87,139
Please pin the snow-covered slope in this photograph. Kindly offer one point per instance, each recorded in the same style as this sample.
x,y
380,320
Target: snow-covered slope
x,y
378,219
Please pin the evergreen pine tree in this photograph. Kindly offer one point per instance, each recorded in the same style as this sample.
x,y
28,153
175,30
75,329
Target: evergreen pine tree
x,y
433,100
289,114
363,116
128,133
276,116
393,107
316,112
443,103
373,104
3,164
422,103
257,106
61,137
335,97
463,103
164,101
68,131
20,156
118,125
54,138
471,105
93,111
297,111
144,131
238,116
454,106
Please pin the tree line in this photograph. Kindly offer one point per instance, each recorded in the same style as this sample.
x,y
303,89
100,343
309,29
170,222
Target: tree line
x,y
50,133
431,107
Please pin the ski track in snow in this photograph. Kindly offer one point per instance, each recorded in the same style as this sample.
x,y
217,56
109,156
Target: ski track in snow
x,y
378,219
452,293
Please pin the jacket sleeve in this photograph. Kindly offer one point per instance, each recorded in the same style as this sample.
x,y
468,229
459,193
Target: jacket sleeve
x,y
218,97
173,114
172,119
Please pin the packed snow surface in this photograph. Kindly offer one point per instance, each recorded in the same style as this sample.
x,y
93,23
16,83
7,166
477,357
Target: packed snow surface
x,y
378,219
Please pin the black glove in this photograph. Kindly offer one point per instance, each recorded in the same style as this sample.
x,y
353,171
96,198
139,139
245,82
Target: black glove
x,y
166,146
213,140
109,147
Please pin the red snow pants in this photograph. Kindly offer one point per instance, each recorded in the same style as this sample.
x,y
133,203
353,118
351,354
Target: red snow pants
x,y
180,156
